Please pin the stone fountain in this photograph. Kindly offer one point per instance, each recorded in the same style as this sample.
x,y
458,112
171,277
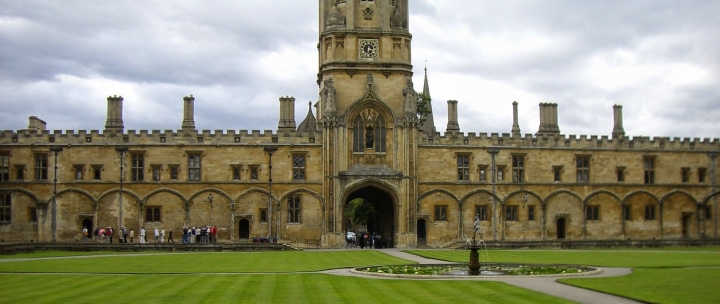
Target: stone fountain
x,y
474,265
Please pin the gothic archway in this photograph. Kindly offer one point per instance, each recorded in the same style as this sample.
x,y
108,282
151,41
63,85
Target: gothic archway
x,y
383,221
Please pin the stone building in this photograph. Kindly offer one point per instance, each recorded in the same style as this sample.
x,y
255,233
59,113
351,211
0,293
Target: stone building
x,y
362,139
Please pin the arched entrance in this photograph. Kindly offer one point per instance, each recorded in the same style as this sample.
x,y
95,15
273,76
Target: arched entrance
x,y
244,229
88,223
421,226
561,228
382,222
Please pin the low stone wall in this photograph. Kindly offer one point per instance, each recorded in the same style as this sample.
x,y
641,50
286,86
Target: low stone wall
x,y
15,248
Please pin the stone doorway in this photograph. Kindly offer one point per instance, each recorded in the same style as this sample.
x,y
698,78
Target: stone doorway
x,y
421,232
686,220
244,229
560,228
88,223
383,221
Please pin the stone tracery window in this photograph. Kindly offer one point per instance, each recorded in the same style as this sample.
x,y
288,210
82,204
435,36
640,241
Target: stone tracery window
x,y
369,132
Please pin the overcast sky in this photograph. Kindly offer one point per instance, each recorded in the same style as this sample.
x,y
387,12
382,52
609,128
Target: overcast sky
x,y
60,60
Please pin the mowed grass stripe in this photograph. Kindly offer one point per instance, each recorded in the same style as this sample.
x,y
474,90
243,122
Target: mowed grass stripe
x,y
665,285
595,258
222,262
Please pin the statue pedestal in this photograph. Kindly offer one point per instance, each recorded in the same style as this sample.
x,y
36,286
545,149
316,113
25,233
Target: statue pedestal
x,y
474,265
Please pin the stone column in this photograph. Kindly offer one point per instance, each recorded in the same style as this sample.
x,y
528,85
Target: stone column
x,y
515,126
452,125
548,119
287,114
188,123
618,130
114,120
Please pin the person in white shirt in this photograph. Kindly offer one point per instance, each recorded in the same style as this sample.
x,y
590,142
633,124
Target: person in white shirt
x,y
142,235
157,235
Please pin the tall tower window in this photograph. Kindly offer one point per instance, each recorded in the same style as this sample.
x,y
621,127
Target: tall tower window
x,y
194,167
137,167
41,166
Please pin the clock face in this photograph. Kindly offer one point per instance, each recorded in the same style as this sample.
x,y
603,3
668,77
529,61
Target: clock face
x,y
368,48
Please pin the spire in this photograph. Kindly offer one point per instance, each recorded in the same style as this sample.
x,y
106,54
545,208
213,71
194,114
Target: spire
x,y
429,126
309,123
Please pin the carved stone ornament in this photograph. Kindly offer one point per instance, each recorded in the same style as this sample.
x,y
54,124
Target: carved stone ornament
x,y
329,96
367,13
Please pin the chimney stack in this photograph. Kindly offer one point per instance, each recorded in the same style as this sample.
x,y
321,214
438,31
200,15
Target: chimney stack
x,y
287,114
452,125
36,124
114,120
515,126
548,119
188,123
618,130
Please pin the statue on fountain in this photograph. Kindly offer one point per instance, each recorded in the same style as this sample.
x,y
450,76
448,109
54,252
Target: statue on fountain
x,y
474,265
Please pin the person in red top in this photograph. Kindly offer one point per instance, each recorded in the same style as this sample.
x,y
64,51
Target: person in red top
x,y
213,234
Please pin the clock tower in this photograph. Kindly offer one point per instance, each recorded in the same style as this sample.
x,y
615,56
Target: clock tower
x,y
367,111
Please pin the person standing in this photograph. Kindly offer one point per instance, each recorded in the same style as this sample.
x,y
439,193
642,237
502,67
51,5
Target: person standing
x,y
170,239
125,234
162,235
157,235
184,235
109,232
132,235
213,233
84,234
142,236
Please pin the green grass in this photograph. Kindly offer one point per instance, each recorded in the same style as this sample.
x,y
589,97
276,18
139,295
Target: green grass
x,y
268,288
608,258
49,254
207,262
667,275
108,279
664,285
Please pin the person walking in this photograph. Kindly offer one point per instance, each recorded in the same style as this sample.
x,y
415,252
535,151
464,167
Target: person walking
x,y
143,240
132,235
162,235
157,235
170,239
125,234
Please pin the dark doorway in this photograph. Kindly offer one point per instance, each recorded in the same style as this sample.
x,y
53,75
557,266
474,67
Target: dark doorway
x,y
88,223
244,232
382,222
421,239
686,225
561,228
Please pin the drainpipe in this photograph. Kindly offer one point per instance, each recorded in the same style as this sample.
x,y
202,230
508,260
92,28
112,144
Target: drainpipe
x,y
492,152
713,176
270,150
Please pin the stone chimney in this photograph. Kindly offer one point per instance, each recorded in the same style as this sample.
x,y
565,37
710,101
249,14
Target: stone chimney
x,y
287,114
114,120
515,126
618,130
188,123
36,124
548,119
452,125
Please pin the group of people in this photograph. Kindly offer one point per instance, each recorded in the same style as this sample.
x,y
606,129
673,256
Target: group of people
x,y
365,240
204,234
107,234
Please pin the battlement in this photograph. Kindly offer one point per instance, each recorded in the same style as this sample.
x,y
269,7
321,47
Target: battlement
x,y
570,141
151,137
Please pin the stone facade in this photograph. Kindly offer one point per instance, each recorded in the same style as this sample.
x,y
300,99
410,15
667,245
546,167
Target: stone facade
x,y
364,140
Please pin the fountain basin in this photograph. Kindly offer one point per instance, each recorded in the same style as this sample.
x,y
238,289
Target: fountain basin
x,y
460,270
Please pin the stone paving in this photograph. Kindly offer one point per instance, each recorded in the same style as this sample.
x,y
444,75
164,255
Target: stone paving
x,y
547,285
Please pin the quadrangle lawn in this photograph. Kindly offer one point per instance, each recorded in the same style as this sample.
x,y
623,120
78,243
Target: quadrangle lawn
x,y
660,276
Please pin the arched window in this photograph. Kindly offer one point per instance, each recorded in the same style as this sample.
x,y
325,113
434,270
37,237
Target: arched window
x,y
369,132
358,135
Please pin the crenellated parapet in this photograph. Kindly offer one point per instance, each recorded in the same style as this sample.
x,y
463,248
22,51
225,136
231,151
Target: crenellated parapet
x,y
154,137
571,141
